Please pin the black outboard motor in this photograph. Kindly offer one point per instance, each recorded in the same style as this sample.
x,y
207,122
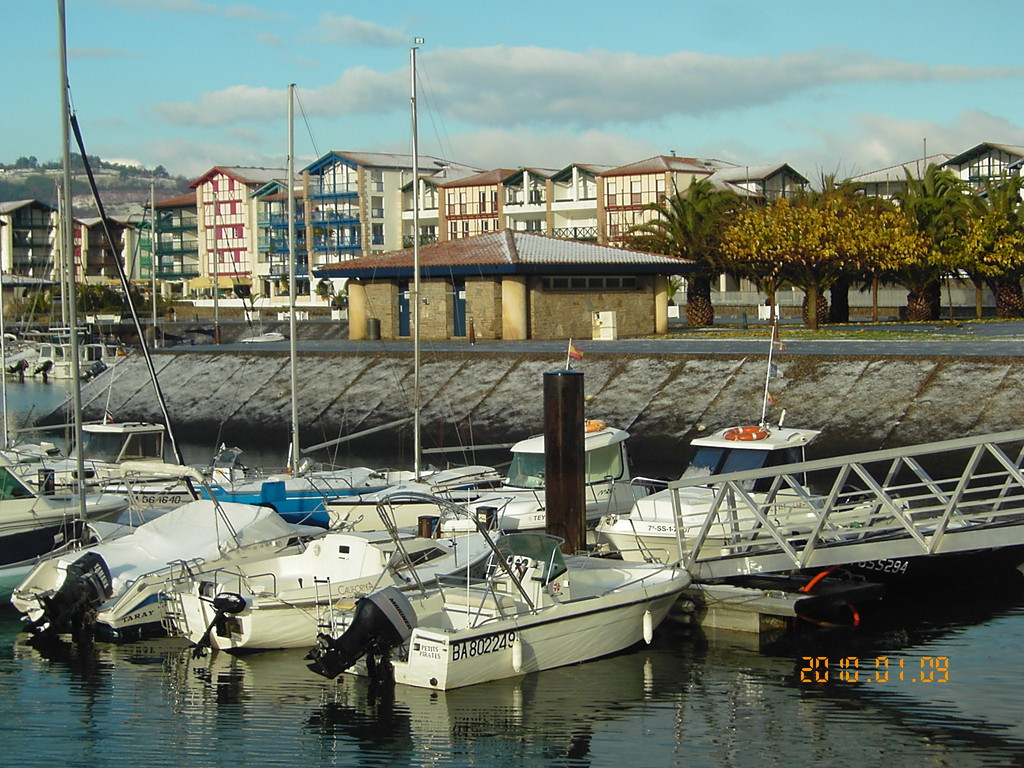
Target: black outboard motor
x,y
382,621
225,604
73,605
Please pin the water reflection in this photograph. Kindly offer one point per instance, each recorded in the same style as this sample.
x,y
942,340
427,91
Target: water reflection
x,y
553,716
695,698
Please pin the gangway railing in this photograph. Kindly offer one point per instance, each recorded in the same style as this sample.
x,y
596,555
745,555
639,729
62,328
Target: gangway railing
x,y
924,500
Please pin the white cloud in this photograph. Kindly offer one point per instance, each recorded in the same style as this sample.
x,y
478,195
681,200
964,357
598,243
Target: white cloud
x,y
878,141
237,104
504,86
498,148
349,30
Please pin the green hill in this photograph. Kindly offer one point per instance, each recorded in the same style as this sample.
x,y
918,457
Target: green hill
x,y
124,189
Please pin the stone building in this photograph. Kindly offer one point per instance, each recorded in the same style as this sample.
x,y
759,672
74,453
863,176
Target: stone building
x,y
508,285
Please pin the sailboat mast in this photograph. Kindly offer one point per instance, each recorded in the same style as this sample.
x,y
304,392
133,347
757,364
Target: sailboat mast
x,y
68,242
291,280
416,438
3,355
152,256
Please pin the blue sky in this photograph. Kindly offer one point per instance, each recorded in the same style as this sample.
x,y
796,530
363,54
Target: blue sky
x,y
825,86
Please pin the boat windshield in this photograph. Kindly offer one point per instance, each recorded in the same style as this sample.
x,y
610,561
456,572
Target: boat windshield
x,y
11,487
713,460
527,469
115,447
544,549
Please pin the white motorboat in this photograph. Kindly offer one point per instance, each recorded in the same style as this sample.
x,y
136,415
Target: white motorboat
x,y
269,337
518,500
33,526
536,609
122,578
54,360
106,448
648,531
283,600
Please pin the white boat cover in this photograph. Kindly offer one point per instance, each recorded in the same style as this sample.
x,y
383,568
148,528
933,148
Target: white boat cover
x,y
191,531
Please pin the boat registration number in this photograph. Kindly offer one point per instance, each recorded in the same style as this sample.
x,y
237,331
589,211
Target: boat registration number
x,y
160,499
885,566
479,646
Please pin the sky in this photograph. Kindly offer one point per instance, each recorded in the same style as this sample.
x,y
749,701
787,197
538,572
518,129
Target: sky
x,y
828,87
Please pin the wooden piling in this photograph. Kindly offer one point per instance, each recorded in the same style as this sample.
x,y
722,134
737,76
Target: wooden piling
x,y
564,458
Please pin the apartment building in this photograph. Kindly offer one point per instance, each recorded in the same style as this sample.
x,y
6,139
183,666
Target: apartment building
x,y
985,161
428,194
273,248
28,239
473,205
891,182
357,201
177,243
96,257
227,219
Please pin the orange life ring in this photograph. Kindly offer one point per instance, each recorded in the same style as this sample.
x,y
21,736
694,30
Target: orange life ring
x,y
746,433
594,425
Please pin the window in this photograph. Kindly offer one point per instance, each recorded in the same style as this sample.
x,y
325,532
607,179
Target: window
x,y
591,283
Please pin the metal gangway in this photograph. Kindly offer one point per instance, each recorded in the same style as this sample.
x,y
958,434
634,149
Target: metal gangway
x,y
923,500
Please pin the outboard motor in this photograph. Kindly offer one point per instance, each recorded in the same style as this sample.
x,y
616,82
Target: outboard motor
x,y
225,604
382,621
87,585
44,368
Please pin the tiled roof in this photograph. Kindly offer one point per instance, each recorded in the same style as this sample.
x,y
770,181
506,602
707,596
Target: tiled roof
x,y
427,163
739,173
495,177
899,172
661,163
14,205
244,175
507,252
189,198
985,146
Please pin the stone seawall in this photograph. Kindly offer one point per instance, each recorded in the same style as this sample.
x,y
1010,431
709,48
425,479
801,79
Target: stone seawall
x,y
859,403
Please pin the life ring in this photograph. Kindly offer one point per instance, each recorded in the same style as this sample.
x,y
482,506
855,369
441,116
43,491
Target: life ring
x,y
594,425
746,433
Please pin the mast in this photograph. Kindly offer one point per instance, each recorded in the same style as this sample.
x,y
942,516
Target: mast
x,y
216,273
68,245
416,438
152,255
3,355
294,453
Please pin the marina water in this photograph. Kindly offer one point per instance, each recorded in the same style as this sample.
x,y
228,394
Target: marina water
x,y
927,679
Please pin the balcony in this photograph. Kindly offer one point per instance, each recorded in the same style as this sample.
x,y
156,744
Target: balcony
x,y
424,240
280,221
583,234
338,191
177,250
336,218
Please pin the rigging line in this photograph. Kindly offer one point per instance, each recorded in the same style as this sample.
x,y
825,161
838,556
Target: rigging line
x,y
125,284
305,121
445,153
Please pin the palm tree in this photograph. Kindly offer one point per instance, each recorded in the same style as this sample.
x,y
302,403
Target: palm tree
x,y
941,206
994,245
689,225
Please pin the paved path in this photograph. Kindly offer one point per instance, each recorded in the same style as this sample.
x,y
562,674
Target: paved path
x,y
967,339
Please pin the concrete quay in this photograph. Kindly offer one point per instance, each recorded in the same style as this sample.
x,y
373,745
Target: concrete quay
x,y
951,381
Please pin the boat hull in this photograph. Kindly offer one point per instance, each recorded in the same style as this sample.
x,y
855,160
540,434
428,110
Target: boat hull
x,y
557,635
